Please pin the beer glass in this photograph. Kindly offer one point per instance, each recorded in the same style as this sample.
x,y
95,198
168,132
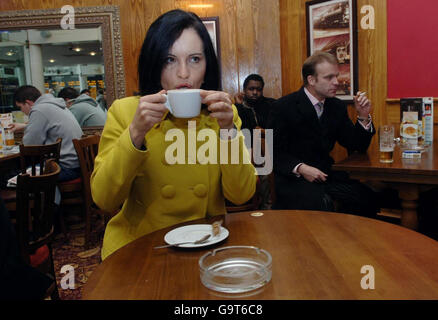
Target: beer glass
x,y
8,138
386,143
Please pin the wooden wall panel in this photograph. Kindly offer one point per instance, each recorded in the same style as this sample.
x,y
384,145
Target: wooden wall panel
x,y
249,32
257,36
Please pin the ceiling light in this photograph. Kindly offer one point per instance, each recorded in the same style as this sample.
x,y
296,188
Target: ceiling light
x,y
200,6
10,53
77,49
52,60
92,53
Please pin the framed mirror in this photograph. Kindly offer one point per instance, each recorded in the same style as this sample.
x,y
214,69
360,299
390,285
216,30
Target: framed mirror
x,y
96,31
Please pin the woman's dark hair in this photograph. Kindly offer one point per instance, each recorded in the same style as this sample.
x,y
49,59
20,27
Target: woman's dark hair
x,y
159,39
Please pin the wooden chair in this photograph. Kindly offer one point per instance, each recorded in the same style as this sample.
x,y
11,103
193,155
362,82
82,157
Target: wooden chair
x,y
254,202
268,160
31,156
251,205
271,179
87,148
35,215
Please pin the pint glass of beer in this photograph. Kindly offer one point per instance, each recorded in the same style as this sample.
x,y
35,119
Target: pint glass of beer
x,y
8,138
386,143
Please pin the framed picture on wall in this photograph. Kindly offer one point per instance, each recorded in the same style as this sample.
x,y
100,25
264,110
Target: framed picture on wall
x,y
212,25
332,27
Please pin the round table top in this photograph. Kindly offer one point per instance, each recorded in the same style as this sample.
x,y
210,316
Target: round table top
x,y
315,255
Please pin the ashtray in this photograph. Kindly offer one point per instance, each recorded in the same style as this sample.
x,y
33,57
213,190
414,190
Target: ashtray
x,y
235,269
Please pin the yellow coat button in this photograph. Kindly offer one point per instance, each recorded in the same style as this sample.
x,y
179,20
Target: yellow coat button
x,y
168,191
200,190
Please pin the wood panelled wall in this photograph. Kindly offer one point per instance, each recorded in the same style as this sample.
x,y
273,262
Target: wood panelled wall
x,y
256,36
249,34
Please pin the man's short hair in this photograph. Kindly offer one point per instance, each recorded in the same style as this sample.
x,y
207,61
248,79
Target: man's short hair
x,y
24,93
254,77
309,66
68,93
85,90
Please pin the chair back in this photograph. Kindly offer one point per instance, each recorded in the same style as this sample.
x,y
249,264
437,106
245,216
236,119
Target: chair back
x,y
36,208
87,148
269,162
34,155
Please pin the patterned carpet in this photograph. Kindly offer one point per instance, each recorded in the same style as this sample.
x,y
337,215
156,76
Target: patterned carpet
x,y
74,253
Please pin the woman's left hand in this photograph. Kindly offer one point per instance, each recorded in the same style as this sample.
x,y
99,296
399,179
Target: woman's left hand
x,y
220,107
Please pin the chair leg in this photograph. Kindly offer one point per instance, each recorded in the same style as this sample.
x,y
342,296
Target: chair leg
x,y
55,294
62,224
87,227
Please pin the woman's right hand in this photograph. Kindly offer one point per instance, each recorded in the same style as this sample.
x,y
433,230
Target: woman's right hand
x,y
150,111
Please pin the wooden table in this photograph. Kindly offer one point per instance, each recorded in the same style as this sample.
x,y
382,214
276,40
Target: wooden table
x,y
9,162
408,176
315,255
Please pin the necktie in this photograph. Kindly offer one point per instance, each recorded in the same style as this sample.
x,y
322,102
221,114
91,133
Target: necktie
x,y
319,107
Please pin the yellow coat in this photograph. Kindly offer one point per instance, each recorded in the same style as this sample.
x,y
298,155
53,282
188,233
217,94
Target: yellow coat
x,y
154,193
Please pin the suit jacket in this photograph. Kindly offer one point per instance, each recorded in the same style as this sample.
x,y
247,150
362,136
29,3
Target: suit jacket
x,y
299,136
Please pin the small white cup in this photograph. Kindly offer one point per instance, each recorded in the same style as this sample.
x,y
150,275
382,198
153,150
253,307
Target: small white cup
x,y
184,103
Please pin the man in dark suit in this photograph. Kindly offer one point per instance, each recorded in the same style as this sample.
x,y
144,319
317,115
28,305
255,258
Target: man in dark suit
x,y
306,125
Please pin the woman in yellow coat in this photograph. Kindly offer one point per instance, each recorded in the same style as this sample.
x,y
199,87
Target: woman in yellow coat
x,y
131,168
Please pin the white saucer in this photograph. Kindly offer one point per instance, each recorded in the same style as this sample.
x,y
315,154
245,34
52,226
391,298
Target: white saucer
x,y
192,233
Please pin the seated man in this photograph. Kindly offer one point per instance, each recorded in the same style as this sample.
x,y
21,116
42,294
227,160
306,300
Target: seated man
x,y
306,125
86,91
254,110
85,109
101,100
49,119
253,107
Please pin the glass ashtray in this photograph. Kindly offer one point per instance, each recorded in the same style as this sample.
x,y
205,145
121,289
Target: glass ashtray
x,y
235,269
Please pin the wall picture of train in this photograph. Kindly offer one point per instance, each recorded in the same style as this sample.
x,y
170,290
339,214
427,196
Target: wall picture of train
x,y
336,16
331,27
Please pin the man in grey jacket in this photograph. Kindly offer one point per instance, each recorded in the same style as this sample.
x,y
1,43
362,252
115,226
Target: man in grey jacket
x,y
85,109
49,119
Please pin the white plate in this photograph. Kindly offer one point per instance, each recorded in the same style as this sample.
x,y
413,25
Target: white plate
x,y
192,233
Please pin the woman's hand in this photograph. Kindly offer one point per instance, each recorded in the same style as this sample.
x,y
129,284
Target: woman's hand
x,y
150,111
220,107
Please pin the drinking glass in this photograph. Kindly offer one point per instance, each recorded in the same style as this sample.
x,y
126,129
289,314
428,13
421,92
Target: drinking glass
x,y
386,143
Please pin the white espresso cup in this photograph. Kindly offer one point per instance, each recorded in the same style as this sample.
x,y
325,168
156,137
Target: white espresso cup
x,y
184,103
